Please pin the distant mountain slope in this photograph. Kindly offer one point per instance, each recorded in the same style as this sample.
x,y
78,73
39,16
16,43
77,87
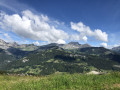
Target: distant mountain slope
x,y
55,59
74,45
95,50
13,51
117,49
5,57
11,54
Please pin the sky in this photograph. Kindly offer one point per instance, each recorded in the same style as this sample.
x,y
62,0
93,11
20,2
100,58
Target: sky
x,y
96,22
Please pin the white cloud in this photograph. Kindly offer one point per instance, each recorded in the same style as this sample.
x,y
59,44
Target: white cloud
x,y
78,37
60,41
14,6
85,38
100,35
112,46
7,37
86,31
32,26
36,43
116,45
104,45
39,27
75,37
80,27
7,6
57,22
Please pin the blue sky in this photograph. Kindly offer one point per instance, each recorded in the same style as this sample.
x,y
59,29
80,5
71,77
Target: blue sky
x,y
96,22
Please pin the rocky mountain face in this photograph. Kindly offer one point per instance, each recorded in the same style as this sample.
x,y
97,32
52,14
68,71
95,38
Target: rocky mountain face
x,y
69,46
3,44
24,47
31,47
6,45
74,45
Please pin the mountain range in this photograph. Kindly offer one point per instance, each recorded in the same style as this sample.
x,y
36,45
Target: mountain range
x,y
48,59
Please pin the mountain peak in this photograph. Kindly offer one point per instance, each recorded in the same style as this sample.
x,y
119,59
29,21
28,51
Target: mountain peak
x,y
74,43
2,41
117,49
86,45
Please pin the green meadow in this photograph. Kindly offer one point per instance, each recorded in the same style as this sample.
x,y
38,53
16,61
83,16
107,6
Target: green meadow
x,y
110,81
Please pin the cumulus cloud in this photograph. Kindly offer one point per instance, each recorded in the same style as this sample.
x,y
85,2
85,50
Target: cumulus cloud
x,y
36,43
104,45
86,31
7,37
85,38
100,35
60,41
78,37
80,27
29,25
39,27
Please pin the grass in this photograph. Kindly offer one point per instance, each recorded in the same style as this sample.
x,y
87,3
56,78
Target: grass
x,y
109,81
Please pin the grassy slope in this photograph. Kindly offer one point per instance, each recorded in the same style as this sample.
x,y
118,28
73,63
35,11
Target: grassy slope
x,y
61,82
45,62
